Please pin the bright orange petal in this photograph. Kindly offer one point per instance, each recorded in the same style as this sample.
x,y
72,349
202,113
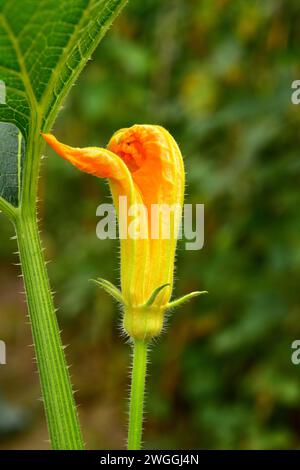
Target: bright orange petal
x,y
96,161
154,160
156,166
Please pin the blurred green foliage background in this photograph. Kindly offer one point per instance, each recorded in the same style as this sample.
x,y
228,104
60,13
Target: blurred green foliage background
x,y
217,74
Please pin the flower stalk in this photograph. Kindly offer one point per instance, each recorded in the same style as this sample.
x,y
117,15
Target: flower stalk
x,y
139,366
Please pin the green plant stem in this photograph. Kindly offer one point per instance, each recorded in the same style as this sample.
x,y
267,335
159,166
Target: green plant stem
x,y
137,394
57,393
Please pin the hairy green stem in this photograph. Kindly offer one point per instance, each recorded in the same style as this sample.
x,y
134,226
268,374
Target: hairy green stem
x,y
139,367
57,393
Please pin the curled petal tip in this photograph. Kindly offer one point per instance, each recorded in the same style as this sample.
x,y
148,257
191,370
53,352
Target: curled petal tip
x,y
47,137
58,147
93,160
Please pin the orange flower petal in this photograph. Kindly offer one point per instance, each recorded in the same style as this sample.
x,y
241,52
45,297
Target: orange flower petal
x,y
143,163
96,161
154,160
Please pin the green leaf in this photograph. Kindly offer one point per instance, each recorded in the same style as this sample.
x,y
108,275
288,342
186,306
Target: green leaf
x,y
44,44
12,151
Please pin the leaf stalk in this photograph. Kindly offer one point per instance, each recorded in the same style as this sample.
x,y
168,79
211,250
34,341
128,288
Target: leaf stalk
x,y
60,408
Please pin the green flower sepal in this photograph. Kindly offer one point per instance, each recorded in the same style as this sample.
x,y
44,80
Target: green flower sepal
x,y
144,321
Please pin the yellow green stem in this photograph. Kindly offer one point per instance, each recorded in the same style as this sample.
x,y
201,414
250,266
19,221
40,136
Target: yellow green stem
x,y
139,367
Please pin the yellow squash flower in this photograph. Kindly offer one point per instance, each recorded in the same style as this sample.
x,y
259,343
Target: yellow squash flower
x,y
144,165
